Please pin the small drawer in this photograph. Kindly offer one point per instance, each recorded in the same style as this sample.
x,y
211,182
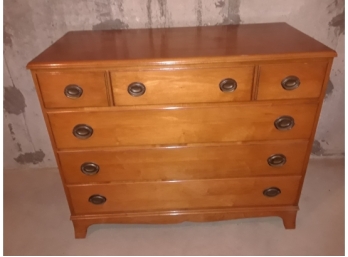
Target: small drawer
x,y
289,81
183,163
73,89
170,86
191,194
205,124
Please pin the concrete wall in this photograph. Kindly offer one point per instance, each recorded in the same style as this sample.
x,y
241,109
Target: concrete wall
x,y
31,26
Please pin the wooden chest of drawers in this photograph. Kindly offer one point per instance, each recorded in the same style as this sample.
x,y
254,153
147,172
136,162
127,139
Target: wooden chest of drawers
x,y
182,124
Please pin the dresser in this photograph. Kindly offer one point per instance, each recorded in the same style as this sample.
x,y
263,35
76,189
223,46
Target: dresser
x,y
182,124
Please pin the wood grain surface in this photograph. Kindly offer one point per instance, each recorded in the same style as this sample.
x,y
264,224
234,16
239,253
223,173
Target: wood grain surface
x,y
53,84
182,125
191,194
170,86
311,76
182,45
172,163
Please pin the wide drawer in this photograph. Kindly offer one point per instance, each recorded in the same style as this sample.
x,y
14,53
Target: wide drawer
x,y
210,123
288,81
191,194
73,89
168,86
180,163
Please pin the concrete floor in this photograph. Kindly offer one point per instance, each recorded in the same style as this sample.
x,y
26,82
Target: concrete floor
x,y
36,222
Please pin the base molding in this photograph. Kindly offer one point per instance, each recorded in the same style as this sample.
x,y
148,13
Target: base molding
x,y
82,222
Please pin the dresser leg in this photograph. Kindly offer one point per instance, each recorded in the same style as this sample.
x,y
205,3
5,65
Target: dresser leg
x,y
289,219
80,229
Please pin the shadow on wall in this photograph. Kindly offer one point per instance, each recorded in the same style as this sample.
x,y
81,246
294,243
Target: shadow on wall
x,y
14,104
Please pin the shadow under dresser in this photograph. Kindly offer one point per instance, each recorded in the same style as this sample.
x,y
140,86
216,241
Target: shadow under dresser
x,y
182,124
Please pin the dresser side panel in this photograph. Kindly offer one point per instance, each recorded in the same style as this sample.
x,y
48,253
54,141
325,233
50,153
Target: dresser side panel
x,y
315,124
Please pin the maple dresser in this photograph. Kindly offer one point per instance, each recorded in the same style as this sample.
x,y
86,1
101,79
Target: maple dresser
x,y
182,124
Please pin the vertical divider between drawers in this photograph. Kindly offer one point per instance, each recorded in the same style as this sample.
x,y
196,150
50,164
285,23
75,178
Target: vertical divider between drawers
x,y
255,82
109,91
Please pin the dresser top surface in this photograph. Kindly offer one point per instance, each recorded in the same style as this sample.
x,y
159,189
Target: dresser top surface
x,y
187,44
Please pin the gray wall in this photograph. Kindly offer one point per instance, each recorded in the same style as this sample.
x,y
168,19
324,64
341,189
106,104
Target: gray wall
x,y
31,26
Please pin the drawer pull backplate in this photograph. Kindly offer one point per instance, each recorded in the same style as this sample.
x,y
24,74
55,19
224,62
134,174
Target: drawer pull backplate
x,y
228,85
291,83
97,199
271,192
90,168
82,131
73,91
284,123
276,160
136,89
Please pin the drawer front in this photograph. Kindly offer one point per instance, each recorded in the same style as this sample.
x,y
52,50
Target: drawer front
x,y
183,86
288,81
180,126
191,194
180,163
73,89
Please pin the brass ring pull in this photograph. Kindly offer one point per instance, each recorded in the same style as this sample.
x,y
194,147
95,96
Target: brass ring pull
x,y
90,168
271,192
276,160
284,123
136,89
291,83
73,91
82,131
97,199
228,85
